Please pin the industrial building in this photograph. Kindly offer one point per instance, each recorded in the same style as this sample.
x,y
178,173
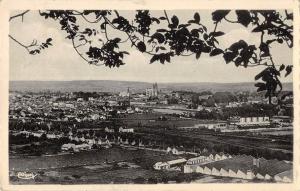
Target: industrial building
x,y
250,121
247,167
169,165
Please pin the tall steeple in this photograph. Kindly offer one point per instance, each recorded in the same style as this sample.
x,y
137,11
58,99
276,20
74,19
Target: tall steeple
x,y
155,89
128,93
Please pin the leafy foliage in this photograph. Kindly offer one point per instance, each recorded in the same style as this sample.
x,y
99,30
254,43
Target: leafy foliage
x,y
37,48
167,36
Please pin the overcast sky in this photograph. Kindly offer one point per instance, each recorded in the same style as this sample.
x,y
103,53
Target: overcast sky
x,y
60,62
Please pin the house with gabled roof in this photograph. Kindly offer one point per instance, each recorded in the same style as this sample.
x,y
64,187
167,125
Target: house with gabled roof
x,y
224,172
247,167
215,172
286,176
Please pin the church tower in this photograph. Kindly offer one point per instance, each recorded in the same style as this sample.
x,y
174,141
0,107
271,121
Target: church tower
x,y
155,90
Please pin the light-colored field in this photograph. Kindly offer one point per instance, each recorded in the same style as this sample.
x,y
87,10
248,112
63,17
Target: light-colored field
x,y
278,133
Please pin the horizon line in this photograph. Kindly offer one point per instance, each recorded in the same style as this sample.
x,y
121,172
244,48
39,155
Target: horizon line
x,y
132,81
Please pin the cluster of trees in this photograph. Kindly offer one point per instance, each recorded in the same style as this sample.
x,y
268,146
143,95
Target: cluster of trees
x,y
204,114
253,110
224,97
86,95
36,146
172,100
212,98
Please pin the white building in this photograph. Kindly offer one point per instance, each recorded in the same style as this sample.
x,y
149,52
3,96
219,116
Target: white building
x,y
82,147
108,130
174,151
66,147
126,130
53,136
192,165
161,166
286,177
197,160
245,167
216,126
70,105
253,121
173,164
91,141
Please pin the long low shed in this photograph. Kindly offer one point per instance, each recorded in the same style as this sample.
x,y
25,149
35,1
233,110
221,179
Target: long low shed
x,y
248,167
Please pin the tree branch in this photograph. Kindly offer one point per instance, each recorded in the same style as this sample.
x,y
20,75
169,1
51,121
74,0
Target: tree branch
x,y
17,41
75,47
87,20
19,15
33,44
105,31
129,37
165,12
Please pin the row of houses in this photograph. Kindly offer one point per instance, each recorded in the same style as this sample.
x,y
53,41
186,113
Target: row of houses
x,y
76,148
103,142
245,167
39,134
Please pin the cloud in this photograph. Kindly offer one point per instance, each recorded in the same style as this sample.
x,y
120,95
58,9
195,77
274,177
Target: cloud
x,y
235,35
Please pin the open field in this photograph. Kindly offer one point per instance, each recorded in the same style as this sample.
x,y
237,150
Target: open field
x,y
117,175
122,173
90,167
205,135
148,124
152,120
85,158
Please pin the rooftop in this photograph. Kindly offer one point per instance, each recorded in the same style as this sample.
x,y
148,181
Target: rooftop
x,y
245,163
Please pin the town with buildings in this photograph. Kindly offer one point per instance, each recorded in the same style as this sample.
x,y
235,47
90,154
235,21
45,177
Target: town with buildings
x,y
151,136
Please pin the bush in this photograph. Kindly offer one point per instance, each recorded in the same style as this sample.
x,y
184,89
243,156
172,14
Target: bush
x,y
152,181
38,179
179,179
53,179
13,178
165,180
41,172
67,178
139,180
76,176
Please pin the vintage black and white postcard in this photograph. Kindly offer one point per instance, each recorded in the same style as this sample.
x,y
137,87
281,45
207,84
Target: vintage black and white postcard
x,y
133,95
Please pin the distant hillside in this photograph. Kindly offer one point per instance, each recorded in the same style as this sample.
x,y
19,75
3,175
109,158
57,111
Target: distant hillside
x,y
118,86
